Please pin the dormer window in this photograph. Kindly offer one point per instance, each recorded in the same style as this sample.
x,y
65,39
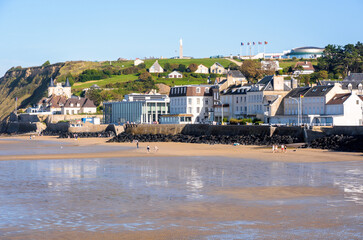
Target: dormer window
x,y
324,90
314,90
198,90
71,104
78,104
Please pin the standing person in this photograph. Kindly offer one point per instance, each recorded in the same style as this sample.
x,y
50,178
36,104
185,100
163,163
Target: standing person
x,y
282,147
156,148
148,148
273,148
137,144
285,148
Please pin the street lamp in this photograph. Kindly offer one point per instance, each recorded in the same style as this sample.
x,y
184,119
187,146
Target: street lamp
x,y
298,110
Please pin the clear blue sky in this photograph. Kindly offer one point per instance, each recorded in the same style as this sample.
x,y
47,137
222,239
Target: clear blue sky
x,y
33,31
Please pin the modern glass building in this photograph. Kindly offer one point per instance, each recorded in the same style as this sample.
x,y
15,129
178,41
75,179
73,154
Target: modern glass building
x,y
138,108
306,52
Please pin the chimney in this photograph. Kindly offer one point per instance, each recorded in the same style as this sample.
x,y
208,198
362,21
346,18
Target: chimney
x,y
278,83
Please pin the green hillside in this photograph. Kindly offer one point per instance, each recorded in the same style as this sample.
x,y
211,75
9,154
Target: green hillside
x,y
208,62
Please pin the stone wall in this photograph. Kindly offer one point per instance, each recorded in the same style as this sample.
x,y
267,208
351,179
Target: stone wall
x,y
56,118
198,129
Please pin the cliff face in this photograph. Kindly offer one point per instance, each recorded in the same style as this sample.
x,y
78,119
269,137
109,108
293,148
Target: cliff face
x,y
29,85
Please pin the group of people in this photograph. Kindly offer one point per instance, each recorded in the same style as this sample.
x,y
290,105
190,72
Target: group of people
x,y
275,148
147,148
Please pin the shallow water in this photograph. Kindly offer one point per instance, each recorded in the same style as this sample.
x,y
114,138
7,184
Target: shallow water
x,y
34,147
148,194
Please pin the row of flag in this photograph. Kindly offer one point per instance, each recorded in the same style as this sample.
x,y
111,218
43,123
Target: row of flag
x,y
253,43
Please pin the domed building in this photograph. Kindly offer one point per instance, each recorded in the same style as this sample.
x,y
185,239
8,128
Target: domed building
x,y
306,52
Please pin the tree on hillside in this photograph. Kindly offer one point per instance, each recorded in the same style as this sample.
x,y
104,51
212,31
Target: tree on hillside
x,y
342,59
193,67
94,95
145,76
46,63
233,66
251,69
167,67
174,66
182,68
141,66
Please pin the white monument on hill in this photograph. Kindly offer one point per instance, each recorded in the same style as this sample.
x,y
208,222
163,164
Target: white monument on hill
x,y
181,49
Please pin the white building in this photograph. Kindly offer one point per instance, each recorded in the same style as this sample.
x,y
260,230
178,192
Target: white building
x,y
307,68
138,61
202,69
77,105
343,110
175,74
59,89
156,68
217,68
189,104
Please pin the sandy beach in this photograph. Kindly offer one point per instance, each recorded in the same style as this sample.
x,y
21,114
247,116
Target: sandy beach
x,y
171,149
182,191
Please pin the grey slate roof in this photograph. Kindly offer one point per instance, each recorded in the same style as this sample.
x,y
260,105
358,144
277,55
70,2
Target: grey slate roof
x,y
297,92
358,77
266,79
67,83
236,74
354,84
51,84
83,102
318,91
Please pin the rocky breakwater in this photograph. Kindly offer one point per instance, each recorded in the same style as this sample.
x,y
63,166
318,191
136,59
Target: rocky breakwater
x,y
206,139
339,143
105,134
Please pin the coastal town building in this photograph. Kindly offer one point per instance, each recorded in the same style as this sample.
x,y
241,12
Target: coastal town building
x,y
138,61
59,89
303,68
236,77
136,108
202,69
175,74
156,68
264,98
61,101
217,68
78,105
189,104
270,65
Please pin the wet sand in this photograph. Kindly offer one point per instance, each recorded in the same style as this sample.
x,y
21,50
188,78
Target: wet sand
x,y
171,149
183,191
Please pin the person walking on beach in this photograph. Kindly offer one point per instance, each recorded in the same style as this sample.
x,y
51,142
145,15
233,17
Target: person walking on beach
x,y
156,148
285,148
148,148
282,148
137,144
273,148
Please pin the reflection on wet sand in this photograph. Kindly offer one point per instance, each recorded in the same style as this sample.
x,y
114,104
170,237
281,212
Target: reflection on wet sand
x,y
179,197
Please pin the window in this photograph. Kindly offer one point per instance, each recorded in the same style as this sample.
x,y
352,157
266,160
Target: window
x,y
236,99
198,100
236,109
206,102
206,110
189,100
189,110
198,90
198,109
